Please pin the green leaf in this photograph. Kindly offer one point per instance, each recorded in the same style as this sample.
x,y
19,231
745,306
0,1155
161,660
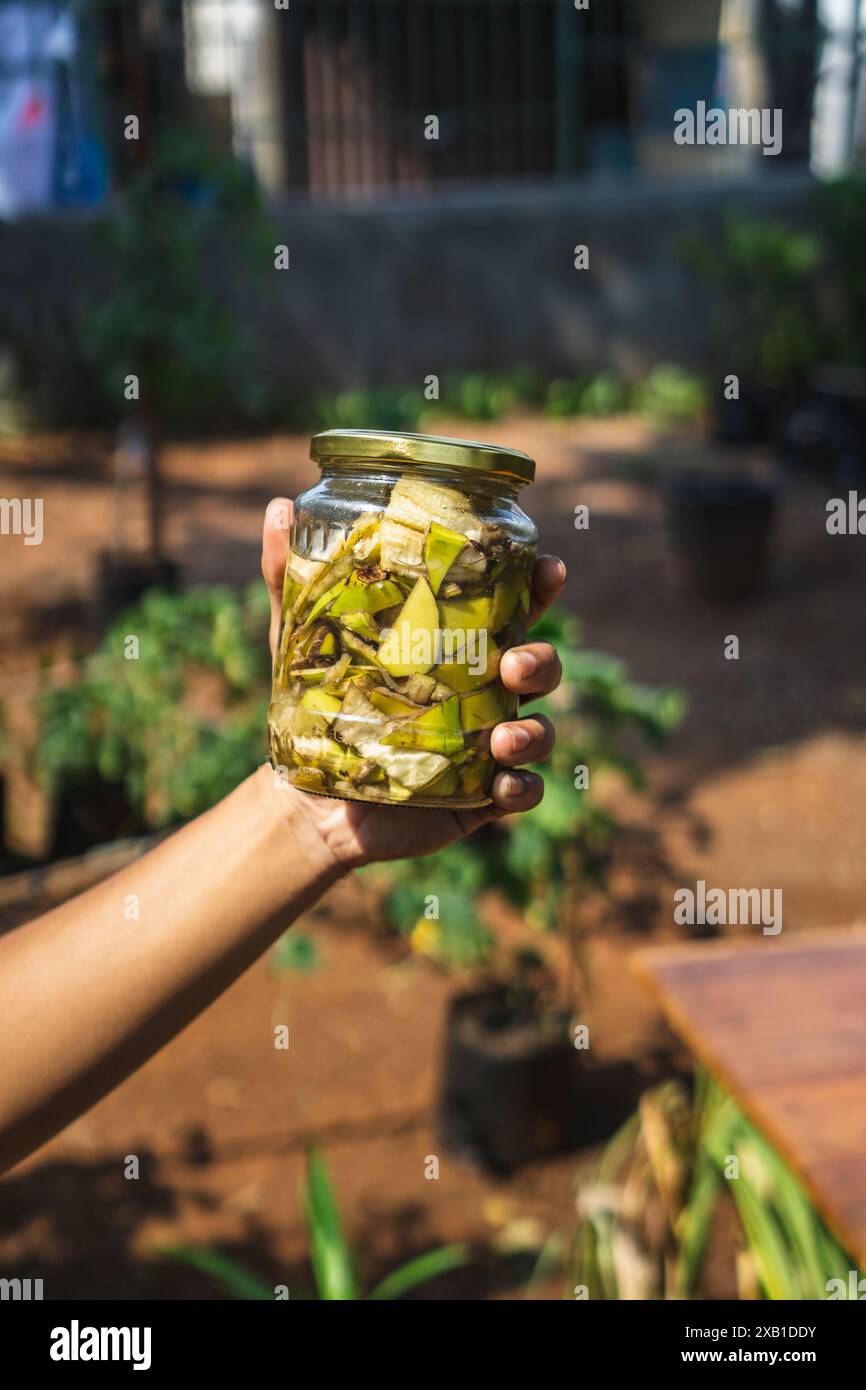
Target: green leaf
x,y
561,810
694,1225
329,1253
230,1275
295,952
421,1271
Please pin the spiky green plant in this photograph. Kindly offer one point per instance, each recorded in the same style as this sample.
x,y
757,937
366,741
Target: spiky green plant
x,y
330,1255
648,1209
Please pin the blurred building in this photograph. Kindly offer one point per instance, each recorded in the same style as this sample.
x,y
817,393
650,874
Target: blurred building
x,y
337,98
432,164
334,97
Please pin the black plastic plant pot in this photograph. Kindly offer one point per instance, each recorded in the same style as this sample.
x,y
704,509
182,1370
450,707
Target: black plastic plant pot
x,y
720,528
509,1083
752,418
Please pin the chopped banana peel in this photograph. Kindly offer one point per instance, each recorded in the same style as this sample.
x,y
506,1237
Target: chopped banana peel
x,y
321,702
386,680
362,625
419,689
464,676
366,596
336,673
326,599
409,646
395,706
505,599
309,779
440,552
436,731
467,614
485,708
401,548
446,783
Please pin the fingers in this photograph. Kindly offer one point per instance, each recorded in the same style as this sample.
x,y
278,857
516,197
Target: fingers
x,y
512,792
275,549
548,582
534,669
275,543
525,741
516,791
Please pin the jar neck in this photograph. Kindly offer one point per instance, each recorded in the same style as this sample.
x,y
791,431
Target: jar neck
x,y
469,480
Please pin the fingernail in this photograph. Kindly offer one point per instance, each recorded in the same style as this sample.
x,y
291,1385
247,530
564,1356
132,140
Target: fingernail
x,y
528,663
279,514
519,738
512,784
562,571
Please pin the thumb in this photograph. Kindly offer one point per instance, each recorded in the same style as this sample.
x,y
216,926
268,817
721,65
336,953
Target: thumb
x,y
275,550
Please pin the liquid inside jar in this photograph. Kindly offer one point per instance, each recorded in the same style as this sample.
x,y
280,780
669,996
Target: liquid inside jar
x,y
386,684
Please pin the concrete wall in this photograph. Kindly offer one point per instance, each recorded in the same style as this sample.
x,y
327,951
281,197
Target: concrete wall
x,y
393,292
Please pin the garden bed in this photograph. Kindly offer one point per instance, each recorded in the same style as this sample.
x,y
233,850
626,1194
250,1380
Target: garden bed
x,y
765,779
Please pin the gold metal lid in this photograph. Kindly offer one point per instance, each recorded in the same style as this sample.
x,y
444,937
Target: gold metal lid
x,y
368,447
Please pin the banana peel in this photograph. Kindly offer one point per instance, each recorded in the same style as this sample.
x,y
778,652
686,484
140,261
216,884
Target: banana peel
x,y
394,706
440,551
326,754
417,503
445,784
320,702
411,768
308,779
468,614
419,689
401,548
475,775
437,731
482,709
505,600
460,676
362,625
409,647
358,597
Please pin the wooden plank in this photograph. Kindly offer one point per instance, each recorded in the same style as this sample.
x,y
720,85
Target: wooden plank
x,y
782,1026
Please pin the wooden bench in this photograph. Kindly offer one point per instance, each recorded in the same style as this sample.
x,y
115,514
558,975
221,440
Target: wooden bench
x,y
781,1024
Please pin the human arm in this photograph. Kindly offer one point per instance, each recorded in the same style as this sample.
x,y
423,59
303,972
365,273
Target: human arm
x,y
92,989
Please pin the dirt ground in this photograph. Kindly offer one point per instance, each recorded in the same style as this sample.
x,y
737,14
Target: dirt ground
x,y
764,785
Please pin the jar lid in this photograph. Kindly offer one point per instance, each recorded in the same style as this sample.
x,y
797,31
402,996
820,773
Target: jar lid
x,y
386,446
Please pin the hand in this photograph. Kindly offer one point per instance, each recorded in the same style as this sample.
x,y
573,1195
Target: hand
x,y
357,833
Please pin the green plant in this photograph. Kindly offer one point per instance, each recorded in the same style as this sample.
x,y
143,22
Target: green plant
x,y
842,205
648,1210
171,706
331,1258
764,277
668,394
602,394
295,952
604,723
163,323
671,395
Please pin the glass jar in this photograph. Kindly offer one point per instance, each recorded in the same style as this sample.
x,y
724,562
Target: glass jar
x,y
409,574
